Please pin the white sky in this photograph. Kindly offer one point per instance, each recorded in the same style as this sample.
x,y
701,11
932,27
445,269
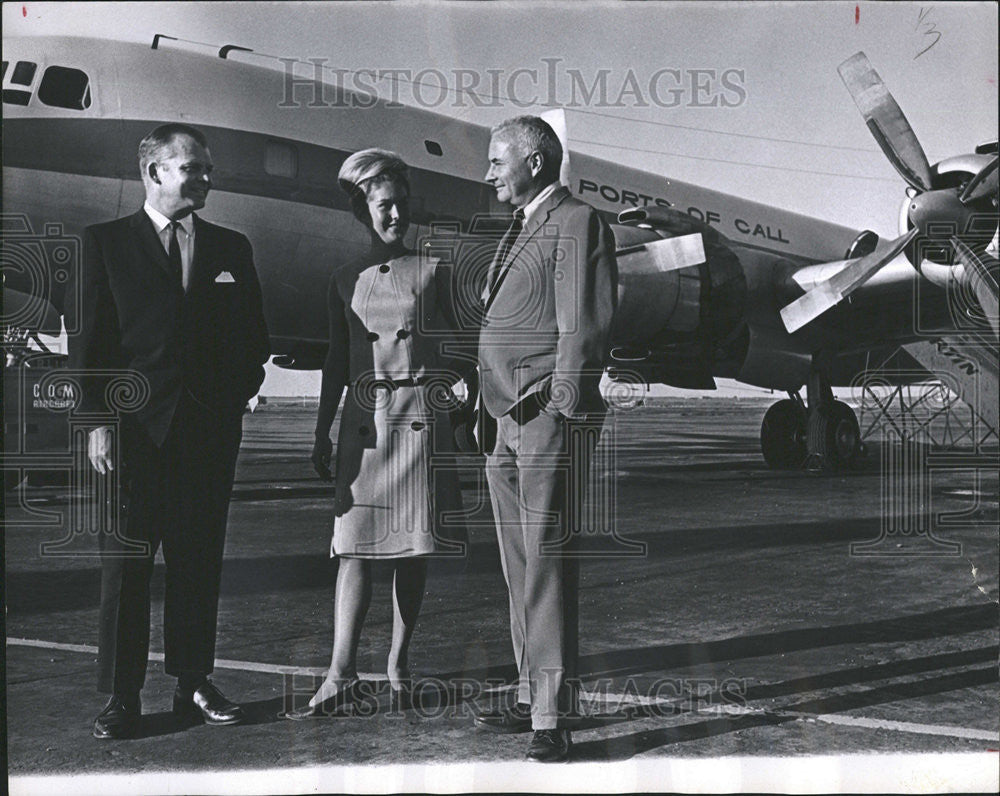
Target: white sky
x,y
788,53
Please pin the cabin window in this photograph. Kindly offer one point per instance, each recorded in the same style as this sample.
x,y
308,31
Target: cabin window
x,y
24,73
62,87
281,160
434,148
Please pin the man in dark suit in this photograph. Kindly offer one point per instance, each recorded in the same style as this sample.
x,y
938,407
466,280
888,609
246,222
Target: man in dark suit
x,y
174,302
549,302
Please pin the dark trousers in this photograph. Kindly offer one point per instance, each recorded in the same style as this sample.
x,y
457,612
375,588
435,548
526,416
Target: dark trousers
x,y
537,475
176,495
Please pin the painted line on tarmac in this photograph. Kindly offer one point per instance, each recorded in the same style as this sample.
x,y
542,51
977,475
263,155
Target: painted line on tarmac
x,y
604,696
861,721
220,663
905,726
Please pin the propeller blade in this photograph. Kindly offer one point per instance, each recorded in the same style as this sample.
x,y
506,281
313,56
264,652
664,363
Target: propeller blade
x,y
828,294
886,121
662,255
984,282
983,184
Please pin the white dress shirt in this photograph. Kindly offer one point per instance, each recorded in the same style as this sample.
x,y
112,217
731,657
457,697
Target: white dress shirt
x,y
527,210
185,236
532,206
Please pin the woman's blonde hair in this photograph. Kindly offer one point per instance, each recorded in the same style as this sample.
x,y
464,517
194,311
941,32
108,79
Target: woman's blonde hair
x,y
363,170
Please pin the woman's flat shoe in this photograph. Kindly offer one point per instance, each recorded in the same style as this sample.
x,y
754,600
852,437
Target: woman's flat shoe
x,y
347,696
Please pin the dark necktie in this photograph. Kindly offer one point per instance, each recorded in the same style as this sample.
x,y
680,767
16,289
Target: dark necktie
x,y
174,253
506,243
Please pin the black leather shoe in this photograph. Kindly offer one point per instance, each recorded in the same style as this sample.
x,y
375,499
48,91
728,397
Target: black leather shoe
x,y
504,719
206,703
119,719
550,746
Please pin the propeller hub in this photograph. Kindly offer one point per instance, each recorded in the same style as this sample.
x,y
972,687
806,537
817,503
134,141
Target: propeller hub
x,y
941,213
938,215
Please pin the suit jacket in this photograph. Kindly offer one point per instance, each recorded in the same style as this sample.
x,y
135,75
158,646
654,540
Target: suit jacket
x,y
547,322
211,340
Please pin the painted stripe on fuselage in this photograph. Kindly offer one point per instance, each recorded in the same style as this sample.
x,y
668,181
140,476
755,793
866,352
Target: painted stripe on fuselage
x,y
296,245
107,148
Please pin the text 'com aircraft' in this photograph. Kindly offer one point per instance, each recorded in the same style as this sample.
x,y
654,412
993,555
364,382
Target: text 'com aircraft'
x,y
711,285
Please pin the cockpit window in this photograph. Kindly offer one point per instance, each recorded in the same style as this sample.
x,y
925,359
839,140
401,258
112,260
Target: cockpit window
x,y
62,87
15,97
24,73
4,73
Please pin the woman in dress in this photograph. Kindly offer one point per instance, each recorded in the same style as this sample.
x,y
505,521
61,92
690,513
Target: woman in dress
x,y
389,314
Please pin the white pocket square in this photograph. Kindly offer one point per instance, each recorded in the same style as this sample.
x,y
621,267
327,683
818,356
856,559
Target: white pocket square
x,y
225,276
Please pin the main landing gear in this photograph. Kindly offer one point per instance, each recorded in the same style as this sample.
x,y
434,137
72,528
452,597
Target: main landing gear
x,y
783,434
825,436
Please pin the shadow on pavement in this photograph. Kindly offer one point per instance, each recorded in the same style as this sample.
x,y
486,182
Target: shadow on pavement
x,y
41,590
932,624
625,747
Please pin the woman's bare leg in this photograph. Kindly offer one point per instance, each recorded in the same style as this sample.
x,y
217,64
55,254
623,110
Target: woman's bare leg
x,y
408,582
352,598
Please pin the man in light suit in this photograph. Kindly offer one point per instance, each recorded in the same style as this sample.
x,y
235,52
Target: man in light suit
x,y
549,305
174,302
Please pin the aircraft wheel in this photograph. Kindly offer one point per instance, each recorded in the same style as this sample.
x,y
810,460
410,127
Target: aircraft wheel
x,y
835,437
846,434
783,435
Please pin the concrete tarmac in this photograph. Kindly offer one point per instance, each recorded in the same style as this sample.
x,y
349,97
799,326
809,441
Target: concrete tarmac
x,y
727,611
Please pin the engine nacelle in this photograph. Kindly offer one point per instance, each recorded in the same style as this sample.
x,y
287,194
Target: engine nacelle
x,y
659,306
939,215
